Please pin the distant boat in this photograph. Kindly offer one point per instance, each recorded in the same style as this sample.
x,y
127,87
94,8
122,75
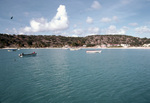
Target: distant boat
x,y
9,50
64,48
31,54
12,50
73,49
93,51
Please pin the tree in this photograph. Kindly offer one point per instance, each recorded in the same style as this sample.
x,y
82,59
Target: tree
x,y
29,42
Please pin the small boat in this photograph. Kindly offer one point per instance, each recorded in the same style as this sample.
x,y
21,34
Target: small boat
x,y
93,51
14,50
31,54
74,49
10,50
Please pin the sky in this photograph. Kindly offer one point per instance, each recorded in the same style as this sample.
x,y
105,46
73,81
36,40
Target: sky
x,y
77,18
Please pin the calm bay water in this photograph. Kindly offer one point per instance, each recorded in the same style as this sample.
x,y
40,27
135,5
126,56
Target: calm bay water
x,y
63,76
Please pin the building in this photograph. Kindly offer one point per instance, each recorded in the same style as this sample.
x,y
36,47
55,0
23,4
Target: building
x,y
125,45
146,45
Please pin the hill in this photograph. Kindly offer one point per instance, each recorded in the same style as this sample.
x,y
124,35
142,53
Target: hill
x,y
36,41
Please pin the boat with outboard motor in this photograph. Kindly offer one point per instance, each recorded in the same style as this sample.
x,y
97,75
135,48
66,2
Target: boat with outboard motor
x,y
31,54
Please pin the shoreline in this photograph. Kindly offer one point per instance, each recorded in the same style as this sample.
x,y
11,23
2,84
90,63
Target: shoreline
x,y
86,48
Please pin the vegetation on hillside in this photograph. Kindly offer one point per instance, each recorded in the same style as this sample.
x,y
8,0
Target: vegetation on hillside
x,y
36,41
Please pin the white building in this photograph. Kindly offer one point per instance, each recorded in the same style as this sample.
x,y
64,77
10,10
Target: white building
x,y
103,46
125,45
146,45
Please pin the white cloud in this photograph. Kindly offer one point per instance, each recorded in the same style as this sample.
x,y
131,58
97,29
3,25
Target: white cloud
x,y
125,28
113,30
74,35
94,30
133,24
13,31
82,32
89,20
96,5
106,20
78,31
58,23
142,30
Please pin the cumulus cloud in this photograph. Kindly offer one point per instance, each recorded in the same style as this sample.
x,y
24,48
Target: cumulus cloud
x,y
125,28
113,30
96,5
107,20
142,30
93,30
78,31
133,24
87,31
59,22
89,20
13,31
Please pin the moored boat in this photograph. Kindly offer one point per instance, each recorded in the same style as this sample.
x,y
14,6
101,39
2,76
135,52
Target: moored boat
x,y
93,51
31,54
14,50
10,50
74,49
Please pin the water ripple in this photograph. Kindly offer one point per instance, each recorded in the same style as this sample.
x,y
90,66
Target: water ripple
x,y
61,76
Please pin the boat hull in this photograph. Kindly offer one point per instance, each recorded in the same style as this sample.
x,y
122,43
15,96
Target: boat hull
x,y
24,55
93,51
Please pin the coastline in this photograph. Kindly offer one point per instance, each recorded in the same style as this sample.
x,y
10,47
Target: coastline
x,y
86,48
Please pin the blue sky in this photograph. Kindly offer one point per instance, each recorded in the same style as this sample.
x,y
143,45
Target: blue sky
x,y
75,17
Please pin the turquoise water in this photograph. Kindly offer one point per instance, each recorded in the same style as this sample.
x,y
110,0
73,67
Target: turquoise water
x,y
63,76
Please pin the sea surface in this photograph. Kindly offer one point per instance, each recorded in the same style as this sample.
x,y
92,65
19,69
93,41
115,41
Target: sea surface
x,y
64,76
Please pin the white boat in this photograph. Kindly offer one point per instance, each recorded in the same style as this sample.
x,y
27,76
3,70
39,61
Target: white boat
x,y
93,51
64,48
73,49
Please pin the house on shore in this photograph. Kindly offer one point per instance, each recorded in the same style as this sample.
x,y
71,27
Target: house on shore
x,y
146,45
